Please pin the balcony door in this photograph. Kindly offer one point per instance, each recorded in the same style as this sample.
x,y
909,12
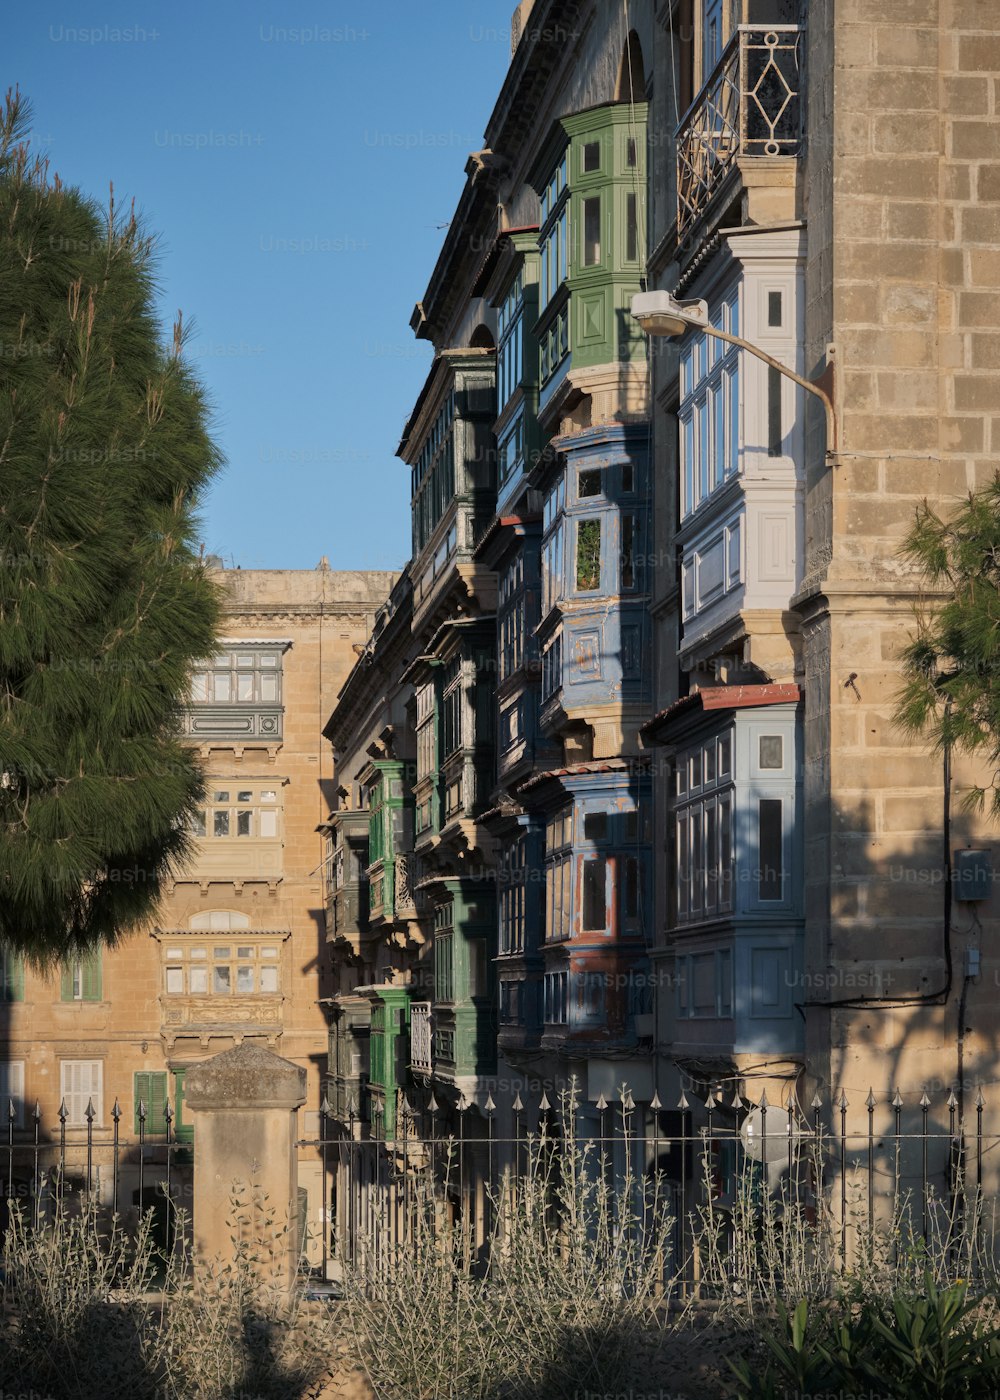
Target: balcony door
x,y
711,37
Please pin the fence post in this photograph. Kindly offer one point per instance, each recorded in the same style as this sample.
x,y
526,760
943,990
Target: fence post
x,y
925,1104
116,1114
245,1102
324,1118
843,1179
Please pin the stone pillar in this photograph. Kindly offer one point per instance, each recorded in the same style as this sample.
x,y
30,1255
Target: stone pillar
x,y
244,1103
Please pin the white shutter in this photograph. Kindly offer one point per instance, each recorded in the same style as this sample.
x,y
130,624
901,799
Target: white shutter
x,y
81,1082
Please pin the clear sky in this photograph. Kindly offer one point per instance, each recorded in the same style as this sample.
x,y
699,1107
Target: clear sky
x,y
298,159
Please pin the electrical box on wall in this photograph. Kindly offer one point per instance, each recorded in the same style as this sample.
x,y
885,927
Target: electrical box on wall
x,y
972,876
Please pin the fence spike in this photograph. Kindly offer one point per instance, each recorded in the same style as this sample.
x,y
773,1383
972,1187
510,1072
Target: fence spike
x,y
432,1103
682,1102
544,1105
897,1098
870,1101
843,1099
116,1112
925,1102
628,1102
655,1104
980,1101
817,1101
90,1113
11,1112
710,1102
763,1101
140,1111
489,1105
517,1105
324,1107
352,1107
602,1104
37,1112
168,1112
462,1104
952,1102
737,1102
63,1112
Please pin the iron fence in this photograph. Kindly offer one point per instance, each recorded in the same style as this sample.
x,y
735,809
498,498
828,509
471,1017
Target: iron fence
x,y
846,1171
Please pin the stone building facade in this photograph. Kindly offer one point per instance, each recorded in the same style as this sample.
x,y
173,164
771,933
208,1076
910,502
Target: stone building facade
x,y
237,951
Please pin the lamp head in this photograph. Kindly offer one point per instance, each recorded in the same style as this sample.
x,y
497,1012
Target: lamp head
x,y
659,313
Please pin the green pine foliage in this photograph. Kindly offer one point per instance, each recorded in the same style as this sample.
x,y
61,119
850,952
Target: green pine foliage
x,y
952,668
105,455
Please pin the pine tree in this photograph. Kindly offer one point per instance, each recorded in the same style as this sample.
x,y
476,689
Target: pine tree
x,y
952,668
105,606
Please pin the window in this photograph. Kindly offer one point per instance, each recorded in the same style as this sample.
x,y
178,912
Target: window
x,y
552,547
244,675
150,1090
559,876
81,978
631,228
595,899
238,813
588,554
426,732
770,874
703,829
770,751
221,970
591,156
12,1092
590,482
81,1082
451,709
553,236
627,562
552,667
432,476
513,870
592,231
511,604
557,998
509,344
444,973
708,414
773,412
11,976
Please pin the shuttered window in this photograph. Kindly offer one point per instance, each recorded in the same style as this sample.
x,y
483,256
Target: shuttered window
x,y
82,1082
150,1088
82,978
12,1092
11,976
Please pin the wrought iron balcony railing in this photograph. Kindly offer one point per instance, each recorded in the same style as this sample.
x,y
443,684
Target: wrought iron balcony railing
x,y
420,1035
750,106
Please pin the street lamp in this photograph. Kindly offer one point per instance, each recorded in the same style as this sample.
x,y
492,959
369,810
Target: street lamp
x,y
659,313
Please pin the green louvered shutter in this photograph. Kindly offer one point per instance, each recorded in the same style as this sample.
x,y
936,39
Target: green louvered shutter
x,y
90,968
67,982
151,1089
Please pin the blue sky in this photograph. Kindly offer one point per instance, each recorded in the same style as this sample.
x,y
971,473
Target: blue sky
x,y
298,160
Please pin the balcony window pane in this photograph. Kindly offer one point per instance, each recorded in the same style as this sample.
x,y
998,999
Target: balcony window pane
x,y
221,984
220,823
223,686
591,231
221,953
244,979
244,822
199,686
244,685
588,555
591,156
198,980
198,823
175,980
268,824
590,483
269,979
631,228
595,916
770,874
268,688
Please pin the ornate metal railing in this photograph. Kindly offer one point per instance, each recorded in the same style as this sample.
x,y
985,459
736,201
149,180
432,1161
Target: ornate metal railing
x,y
750,106
408,874
420,1035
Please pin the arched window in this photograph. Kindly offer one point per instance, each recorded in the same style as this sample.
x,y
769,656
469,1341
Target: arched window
x,y
631,84
220,919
